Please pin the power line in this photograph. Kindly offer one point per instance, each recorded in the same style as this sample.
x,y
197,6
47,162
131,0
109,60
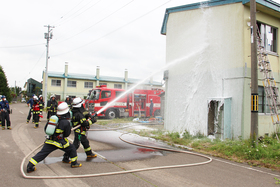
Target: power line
x,y
69,18
21,46
113,30
97,22
35,65
67,12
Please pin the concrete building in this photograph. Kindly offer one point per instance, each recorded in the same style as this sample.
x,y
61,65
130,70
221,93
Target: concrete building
x,y
208,46
78,85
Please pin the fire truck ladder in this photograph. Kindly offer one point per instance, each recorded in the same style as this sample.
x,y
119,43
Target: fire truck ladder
x,y
269,83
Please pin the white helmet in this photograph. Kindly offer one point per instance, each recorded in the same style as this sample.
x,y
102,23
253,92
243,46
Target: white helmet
x,y
62,108
77,102
35,97
52,96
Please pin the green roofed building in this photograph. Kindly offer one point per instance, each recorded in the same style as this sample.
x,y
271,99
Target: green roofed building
x,y
33,87
65,83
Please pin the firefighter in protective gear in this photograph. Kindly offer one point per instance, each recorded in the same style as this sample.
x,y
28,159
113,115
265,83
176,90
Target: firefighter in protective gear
x,y
41,105
85,122
36,111
5,113
68,100
57,141
51,107
30,103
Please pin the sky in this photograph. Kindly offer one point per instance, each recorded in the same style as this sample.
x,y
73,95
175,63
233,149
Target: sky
x,y
112,34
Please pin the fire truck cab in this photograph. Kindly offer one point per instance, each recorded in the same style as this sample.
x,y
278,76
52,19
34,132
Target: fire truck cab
x,y
122,104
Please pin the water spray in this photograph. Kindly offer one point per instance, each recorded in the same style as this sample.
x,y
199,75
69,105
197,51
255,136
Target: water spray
x,y
143,80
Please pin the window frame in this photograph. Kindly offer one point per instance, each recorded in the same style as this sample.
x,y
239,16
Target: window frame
x,y
56,82
118,86
263,105
263,32
71,85
86,85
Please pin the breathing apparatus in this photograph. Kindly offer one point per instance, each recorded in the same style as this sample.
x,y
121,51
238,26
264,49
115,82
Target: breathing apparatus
x,y
51,126
53,122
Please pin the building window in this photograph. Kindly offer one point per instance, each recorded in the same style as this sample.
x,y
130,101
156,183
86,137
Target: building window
x,y
56,82
71,84
88,85
118,86
57,97
263,106
100,84
268,34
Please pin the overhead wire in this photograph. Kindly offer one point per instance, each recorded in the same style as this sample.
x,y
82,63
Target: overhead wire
x,y
71,17
20,46
67,12
35,65
96,22
112,31
32,45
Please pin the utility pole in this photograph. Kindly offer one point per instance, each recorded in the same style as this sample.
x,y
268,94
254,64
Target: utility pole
x,y
254,74
48,36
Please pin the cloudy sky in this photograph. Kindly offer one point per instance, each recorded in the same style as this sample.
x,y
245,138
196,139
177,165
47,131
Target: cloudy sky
x,y
113,34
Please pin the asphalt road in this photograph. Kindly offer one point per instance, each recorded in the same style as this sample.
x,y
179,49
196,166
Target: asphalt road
x,y
15,144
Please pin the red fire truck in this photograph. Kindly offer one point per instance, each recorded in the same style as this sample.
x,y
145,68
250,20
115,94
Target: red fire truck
x,y
132,104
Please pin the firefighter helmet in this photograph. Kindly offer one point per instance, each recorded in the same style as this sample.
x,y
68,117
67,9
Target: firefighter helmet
x,y
62,108
77,102
52,96
35,98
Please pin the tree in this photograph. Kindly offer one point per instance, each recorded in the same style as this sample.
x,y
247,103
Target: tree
x,y
37,90
16,90
4,89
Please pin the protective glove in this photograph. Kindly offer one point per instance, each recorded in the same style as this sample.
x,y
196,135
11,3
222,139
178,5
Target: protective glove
x,y
84,124
93,119
87,116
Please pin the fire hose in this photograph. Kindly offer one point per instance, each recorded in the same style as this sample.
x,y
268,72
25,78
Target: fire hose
x,y
118,172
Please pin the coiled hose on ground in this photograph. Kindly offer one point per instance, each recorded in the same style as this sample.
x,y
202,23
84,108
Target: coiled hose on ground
x,y
118,172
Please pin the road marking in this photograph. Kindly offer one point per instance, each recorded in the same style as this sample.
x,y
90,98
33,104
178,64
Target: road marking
x,y
21,112
249,168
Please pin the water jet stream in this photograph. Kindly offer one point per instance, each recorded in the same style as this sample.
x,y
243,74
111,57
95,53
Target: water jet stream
x,y
143,80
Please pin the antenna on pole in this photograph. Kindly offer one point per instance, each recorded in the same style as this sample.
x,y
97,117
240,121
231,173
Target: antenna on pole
x,y
48,36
